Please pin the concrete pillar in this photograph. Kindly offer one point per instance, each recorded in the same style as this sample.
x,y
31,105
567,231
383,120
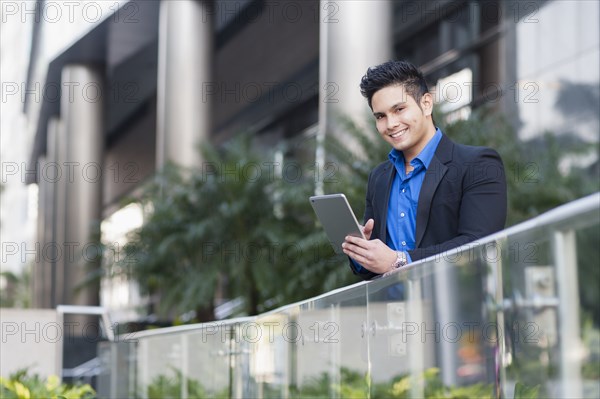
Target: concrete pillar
x,y
354,35
49,174
53,174
185,59
60,213
82,115
39,271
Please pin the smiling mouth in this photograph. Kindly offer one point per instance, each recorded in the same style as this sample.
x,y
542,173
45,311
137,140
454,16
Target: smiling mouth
x,y
400,133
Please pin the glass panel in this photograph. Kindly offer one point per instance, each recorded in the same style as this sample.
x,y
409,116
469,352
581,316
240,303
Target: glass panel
x,y
159,366
530,340
430,332
550,340
313,349
514,317
247,334
332,359
207,363
588,241
271,354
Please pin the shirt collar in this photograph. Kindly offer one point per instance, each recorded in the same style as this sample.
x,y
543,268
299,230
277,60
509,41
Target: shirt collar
x,y
424,157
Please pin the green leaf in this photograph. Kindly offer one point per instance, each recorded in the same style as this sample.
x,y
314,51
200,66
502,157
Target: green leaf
x,y
523,391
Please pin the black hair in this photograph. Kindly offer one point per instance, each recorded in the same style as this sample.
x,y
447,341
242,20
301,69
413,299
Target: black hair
x,y
394,73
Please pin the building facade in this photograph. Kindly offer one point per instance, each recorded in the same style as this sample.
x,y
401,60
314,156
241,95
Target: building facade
x,y
152,80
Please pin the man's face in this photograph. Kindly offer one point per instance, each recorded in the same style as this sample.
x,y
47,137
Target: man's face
x,y
404,124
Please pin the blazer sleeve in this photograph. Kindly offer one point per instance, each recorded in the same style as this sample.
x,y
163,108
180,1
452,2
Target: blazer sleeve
x,y
483,204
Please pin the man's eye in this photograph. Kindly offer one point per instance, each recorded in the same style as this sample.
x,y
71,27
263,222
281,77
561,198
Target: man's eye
x,y
379,117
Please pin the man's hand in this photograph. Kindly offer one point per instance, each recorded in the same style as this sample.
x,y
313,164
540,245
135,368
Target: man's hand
x,y
367,229
373,255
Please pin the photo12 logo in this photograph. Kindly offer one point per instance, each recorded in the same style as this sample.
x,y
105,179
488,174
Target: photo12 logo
x,y
53,12
71,172
271,331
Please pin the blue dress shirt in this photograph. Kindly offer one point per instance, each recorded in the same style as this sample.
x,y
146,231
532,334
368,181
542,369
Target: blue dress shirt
x,y
404,197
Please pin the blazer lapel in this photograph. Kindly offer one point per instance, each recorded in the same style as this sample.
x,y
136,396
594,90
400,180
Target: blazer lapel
x,y
384,187
435,172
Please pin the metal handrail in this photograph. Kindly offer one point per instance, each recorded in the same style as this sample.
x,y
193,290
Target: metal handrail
x,y
556,215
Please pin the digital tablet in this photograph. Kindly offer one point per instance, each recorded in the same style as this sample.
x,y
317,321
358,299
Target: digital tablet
x,y
337,218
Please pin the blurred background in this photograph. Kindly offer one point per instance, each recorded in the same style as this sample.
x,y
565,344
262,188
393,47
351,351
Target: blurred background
x,y
157,155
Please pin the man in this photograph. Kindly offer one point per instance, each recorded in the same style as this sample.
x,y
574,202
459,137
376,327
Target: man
x,y
432,194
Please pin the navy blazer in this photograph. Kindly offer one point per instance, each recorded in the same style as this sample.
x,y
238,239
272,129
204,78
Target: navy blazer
x,y
462,199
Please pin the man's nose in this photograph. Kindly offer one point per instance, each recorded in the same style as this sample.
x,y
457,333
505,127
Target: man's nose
x,y
392,122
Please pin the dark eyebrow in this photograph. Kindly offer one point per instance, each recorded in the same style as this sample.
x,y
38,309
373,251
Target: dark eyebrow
x,y
397,105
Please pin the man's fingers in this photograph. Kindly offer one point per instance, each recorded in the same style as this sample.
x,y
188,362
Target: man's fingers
x,y
350,246
353,240
357,257
361,243
354,251
353,254
368,228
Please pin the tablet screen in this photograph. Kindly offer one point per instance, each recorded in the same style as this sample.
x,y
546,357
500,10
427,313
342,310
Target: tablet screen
x,y
337,218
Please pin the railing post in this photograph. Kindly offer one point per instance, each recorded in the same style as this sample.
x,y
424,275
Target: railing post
x,y
446,286
416,360
565,256
184,366
144,369
495,290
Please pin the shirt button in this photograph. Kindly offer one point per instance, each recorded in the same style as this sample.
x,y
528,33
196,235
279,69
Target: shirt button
x,y
403,243
402,214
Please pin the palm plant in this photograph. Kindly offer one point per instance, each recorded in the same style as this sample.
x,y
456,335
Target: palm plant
x,y
235,226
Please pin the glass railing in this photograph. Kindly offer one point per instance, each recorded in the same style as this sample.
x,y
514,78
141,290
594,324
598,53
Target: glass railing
x,y
514,315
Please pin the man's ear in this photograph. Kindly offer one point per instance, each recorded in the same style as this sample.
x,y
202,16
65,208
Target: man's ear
x,y
427,104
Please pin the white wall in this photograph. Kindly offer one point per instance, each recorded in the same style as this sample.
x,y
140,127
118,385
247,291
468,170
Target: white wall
x,y
32,339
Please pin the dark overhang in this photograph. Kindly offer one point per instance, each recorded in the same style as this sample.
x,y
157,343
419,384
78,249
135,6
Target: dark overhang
x,y
124,45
